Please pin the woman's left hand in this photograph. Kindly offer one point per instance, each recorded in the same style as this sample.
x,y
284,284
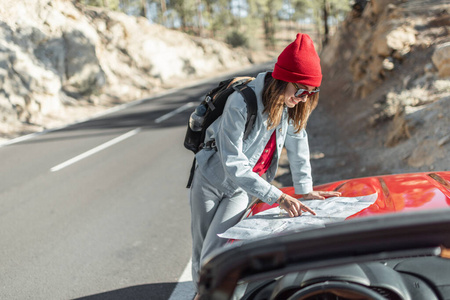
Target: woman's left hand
x,y
321,195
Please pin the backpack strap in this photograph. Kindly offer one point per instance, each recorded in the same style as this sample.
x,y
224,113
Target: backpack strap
x,y
191,174
252,106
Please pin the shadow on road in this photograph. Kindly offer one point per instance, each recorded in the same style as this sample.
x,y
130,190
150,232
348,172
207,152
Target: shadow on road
x,y
155,291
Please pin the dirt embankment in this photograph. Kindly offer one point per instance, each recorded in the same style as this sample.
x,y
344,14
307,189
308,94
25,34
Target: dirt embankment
x,y
385,98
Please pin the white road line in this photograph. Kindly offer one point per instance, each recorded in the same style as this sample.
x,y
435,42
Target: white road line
x,y
95,150
174,112
185,289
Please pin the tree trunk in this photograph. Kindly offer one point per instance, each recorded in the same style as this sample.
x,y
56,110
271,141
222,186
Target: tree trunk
x,y
269,31
269,26
163,12
326,12
200,18
143,12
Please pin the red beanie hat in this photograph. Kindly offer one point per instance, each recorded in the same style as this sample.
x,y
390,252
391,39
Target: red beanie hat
x,y
299,63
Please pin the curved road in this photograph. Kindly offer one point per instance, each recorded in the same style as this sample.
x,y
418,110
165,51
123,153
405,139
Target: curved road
x,y
99,210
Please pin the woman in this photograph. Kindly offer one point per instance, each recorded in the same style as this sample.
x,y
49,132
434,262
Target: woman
x,y
228,175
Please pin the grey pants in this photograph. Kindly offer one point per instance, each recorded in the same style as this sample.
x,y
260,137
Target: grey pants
x,y
212,213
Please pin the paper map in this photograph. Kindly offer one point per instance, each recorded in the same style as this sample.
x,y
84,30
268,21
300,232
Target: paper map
x,y
270,222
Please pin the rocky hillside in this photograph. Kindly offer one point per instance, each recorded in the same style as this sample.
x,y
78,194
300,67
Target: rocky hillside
x,y
385,98
60,63
387,83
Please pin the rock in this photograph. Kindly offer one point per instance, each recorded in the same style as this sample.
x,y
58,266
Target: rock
x,y
83,74
378,6
29,87
444,140
399,131
317,155
397,40
400,39
441,59
425,154
388,64
376,51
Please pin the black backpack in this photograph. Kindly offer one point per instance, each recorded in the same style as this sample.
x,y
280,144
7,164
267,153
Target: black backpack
x,y
214,102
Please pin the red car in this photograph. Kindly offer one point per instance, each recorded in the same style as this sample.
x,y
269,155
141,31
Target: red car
x,y
398,247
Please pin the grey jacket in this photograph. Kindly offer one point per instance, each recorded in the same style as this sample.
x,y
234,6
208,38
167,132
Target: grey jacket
x,y
230,167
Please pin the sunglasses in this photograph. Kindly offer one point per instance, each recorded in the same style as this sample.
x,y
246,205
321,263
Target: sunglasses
x,y
300,93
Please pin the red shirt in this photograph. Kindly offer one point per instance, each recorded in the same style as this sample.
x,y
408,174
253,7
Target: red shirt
x,y
265,160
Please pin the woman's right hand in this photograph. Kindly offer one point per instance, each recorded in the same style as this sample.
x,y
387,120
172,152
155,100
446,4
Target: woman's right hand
x,y
293,206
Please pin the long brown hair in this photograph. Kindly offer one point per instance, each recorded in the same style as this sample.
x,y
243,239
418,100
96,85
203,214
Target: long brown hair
x,y
273,100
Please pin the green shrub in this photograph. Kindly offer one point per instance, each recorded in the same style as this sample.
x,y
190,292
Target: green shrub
x,y
237,39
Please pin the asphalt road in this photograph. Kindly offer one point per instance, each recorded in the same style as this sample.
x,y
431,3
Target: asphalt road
x,y
99,210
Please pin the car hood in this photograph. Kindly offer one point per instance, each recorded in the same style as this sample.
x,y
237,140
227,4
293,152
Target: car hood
x,y
396,193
